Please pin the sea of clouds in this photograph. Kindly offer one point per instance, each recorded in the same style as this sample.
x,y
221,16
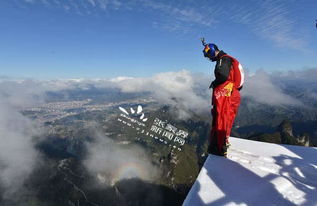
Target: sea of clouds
x,y
186,91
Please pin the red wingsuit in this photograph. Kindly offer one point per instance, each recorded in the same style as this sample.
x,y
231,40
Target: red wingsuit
x,y
225,100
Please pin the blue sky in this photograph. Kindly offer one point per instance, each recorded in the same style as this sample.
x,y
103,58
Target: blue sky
x,y
52,39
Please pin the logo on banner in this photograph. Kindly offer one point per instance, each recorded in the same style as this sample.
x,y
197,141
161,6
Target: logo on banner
x,y
159,130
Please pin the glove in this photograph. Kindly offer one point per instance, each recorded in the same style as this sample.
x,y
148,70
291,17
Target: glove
x,y
211,85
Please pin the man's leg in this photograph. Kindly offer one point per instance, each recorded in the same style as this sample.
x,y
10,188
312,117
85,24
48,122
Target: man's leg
x,y
220,123
213,139
233,108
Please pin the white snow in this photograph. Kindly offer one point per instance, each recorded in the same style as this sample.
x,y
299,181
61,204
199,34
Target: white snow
x,y
257,173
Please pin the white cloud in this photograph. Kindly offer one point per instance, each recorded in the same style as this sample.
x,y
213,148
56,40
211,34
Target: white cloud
x,y
173,88
18,156
308,74
110,162
273,21
186,92
182,16
261,89
92,2
270,20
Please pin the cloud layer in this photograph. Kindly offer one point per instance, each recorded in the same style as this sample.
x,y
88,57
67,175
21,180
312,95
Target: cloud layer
x,y
185,91
110,162
182,89
18,134
18,156
179,89
261,88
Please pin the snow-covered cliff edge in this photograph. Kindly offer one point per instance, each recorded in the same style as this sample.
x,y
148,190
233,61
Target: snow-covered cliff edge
x,y
257,173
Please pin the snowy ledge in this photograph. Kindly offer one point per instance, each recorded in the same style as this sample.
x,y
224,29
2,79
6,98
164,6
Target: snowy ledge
x,y
257,173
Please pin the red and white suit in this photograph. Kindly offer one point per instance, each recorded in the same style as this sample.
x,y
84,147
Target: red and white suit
x,y
225,100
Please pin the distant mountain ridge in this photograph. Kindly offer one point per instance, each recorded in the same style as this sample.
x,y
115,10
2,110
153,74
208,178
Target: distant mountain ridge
x,y
283,135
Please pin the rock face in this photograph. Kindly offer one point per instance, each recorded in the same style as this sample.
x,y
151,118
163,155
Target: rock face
x,y
283,135
286,131
304,140
287,136
286,128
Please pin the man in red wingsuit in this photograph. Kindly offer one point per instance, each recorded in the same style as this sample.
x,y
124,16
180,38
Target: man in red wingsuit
x,y
225,97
